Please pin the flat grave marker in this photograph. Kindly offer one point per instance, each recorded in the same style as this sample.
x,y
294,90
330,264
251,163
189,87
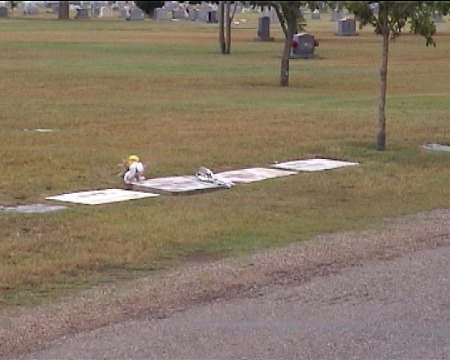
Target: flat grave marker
x,y
436,147
252,174
313,164
32,209
97,197
173,185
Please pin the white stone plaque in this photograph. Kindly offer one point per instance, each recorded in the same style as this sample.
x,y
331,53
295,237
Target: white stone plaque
x,y
252,174
313,164
96,197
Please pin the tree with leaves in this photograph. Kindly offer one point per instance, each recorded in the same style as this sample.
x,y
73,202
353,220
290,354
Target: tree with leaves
x,y
392,18
291,21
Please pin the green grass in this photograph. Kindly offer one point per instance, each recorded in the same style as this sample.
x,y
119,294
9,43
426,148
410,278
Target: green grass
x,y
161,90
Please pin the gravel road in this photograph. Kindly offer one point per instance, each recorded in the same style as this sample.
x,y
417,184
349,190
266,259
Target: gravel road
x,y
381,294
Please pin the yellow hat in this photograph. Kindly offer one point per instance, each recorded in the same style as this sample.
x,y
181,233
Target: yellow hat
x,y
133,158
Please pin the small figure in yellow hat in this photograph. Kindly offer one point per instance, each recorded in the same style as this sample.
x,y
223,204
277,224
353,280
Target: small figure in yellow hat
x,y
134,170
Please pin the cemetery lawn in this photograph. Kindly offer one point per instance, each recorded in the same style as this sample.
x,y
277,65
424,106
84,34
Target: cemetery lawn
x,y
111,88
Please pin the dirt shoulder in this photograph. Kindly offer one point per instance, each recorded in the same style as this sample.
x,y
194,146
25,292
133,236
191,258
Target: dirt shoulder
x,y
159,295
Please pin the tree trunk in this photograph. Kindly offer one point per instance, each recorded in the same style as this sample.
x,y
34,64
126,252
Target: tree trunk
x,y
284,73
63,11
228,19
381,135
222,44
290,12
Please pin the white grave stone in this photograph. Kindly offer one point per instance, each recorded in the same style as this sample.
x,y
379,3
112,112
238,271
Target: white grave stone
x,y
347,27
124,12
315,15
3,12
169,6
159,14
437,147
192,14
179,14
105,11
317,164
202,15
95,11
97,197
135,14
32,209
264,29
302,46
31,9
438,18
252,174
336,15
213,16
82,14
174,185
39,130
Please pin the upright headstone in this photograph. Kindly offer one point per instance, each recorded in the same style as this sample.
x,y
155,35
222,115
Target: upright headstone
x,y
302,46
159,14
3,12
193,14
124,13
31,9
178,14
212,16
315,15
264,29
336,15
438,18
95,11
105,11
347,27
169,6
82,14
136,14
202,14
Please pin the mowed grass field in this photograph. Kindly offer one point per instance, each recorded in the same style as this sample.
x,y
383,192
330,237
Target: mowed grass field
x,y
161,90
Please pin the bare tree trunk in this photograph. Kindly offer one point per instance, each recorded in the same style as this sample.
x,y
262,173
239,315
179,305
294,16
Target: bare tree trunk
x,y
63,10
288,16
228,19
381,135
291,29
222,44
284,73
